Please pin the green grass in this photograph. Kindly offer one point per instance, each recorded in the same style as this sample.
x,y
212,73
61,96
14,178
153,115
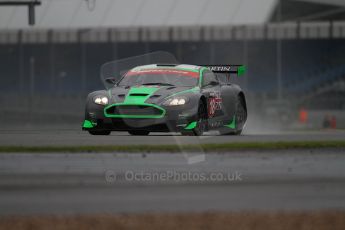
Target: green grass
x,y
222,147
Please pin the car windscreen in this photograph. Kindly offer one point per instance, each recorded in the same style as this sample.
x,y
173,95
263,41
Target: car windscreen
x,y
117,69
160,77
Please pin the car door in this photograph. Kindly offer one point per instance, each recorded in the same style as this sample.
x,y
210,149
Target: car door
x,y
211,89
229,100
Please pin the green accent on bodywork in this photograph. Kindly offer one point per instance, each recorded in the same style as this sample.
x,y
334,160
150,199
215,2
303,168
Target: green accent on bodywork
x,y
232,125
187,69
139,100
139,90
202,75
134,116
241,70
88,124
191,125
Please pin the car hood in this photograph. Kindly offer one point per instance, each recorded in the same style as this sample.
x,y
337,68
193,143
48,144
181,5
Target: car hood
x,y
146,94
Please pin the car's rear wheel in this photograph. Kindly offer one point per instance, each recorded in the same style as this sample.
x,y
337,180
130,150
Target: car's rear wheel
x,y
201,122
139,132
103,132
240,118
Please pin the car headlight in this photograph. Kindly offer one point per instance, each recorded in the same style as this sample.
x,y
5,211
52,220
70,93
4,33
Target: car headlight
x,y
101,100
176,101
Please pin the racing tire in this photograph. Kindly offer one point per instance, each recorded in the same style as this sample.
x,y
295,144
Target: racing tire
x,y
100,133
240,118
201,122
139,132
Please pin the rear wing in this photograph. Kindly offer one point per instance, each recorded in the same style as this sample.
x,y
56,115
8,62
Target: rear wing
x,y
227,69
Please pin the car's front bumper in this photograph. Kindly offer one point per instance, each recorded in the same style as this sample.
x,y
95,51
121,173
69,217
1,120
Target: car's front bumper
x,y
175,119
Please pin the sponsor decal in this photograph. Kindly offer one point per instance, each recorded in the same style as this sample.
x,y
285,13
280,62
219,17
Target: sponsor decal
x,y
220,68
214,103
216,124
236,69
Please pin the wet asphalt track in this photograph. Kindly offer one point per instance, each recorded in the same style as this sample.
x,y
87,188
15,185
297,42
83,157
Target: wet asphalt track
x,y
129,183
309,179
75,137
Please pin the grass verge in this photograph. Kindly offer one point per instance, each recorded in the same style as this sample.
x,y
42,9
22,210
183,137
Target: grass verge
x,y
208,221
221,147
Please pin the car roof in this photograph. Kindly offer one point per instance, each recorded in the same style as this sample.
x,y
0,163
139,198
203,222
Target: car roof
x,y
185,67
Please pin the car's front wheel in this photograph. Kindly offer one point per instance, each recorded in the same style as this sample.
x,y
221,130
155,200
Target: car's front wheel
x,y
139,132
104,133
200,123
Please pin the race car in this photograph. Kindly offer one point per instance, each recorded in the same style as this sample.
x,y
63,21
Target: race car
x,y
154,93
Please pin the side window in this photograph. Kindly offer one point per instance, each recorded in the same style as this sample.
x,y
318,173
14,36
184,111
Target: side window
x,y
209,77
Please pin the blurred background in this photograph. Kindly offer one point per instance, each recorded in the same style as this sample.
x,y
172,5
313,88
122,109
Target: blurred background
x,y
293,50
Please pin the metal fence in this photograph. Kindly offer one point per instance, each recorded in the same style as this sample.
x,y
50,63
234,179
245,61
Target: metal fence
x,y
292,30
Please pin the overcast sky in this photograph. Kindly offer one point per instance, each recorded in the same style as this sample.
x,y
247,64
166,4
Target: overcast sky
x,y
124,13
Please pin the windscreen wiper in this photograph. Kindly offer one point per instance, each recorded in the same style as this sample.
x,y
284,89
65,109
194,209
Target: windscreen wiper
x,y
158,83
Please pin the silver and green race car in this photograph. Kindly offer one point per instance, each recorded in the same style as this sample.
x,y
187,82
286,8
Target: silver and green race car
x,y
154,93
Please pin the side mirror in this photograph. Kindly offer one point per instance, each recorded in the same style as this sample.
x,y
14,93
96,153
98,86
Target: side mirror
x,y
110,80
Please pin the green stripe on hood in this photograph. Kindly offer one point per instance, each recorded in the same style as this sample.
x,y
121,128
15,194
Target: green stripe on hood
x,y
139,99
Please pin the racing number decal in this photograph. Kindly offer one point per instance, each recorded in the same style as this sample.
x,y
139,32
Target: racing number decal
x,y
211,107
214,103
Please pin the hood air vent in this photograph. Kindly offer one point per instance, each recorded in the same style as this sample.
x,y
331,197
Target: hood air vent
x,y
139,94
